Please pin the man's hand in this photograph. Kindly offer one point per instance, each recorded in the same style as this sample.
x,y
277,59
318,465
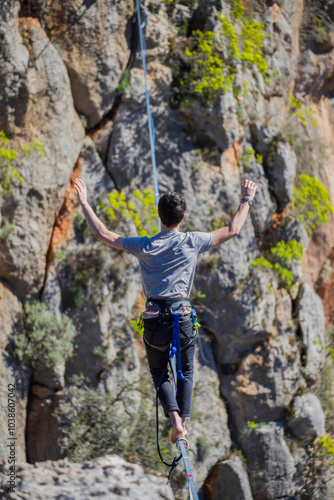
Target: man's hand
x,y
81,191
97,227
248,189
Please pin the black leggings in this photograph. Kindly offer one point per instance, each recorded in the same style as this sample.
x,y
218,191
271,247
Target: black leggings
x,y
158,332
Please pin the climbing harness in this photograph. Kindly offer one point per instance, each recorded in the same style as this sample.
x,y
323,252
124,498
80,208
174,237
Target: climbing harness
x,y
176,310
182,444
151,127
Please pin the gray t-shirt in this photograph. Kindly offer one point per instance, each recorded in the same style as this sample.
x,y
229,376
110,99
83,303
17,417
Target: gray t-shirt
x,y
168,260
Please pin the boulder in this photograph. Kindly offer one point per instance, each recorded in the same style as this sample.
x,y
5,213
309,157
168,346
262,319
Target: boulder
x,y
229,480
312,329
263,383
108,477
280,167
270,464
258,391
307,418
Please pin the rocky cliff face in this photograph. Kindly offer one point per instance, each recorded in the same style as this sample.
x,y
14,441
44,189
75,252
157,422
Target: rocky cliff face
x,y
72,78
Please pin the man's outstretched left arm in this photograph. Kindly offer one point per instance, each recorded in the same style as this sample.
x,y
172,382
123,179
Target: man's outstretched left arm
x,y
248,190
97,227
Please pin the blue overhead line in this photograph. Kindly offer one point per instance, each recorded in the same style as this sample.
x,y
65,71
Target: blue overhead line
x,y
148,105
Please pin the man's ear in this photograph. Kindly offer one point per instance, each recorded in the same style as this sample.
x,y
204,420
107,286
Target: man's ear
x,y
183,217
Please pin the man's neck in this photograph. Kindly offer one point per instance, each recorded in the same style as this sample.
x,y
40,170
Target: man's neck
x,y
168,229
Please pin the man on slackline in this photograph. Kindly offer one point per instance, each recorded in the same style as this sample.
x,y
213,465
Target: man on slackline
x,y
167,264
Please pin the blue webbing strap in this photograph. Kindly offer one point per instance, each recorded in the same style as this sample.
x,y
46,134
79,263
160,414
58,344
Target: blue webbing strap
x,y
175,347
181,444
149,114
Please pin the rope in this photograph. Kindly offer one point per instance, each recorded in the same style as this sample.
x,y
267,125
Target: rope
x,y
182,444
151,127
176,460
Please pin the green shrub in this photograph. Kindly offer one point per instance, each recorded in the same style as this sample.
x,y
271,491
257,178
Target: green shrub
x,y
75,296
92,421
124,83
203,448
9,160
140,208
317,26
311,200
319,468
7,229
47,338
213,57
326,449
251,426
248,155
309,147
303,113
280,258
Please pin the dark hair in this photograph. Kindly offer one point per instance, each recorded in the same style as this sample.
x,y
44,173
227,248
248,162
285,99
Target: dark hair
x,y
171,207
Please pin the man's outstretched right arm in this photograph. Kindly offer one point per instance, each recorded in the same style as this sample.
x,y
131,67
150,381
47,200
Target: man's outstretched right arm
x,y
97,227
248,190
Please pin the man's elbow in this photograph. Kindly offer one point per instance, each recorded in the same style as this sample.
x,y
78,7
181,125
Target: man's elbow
x,y
234,231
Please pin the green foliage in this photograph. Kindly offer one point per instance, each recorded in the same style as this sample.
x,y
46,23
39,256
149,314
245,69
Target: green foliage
x,y
83,120
7,229
141,446
326,449
301,390
137,325
203,448
325,389
47,338
92,421
10,159
86,273
82,226
311,201
304,114
61,254
280,258
288,252
317,26
213,58
248,155
95,423
217,223
140,208
124,83
75,296
251,426
310,149
100,352
320,468
327,348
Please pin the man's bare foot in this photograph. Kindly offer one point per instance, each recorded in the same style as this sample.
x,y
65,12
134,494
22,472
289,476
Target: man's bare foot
x,y
183,419
178,427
